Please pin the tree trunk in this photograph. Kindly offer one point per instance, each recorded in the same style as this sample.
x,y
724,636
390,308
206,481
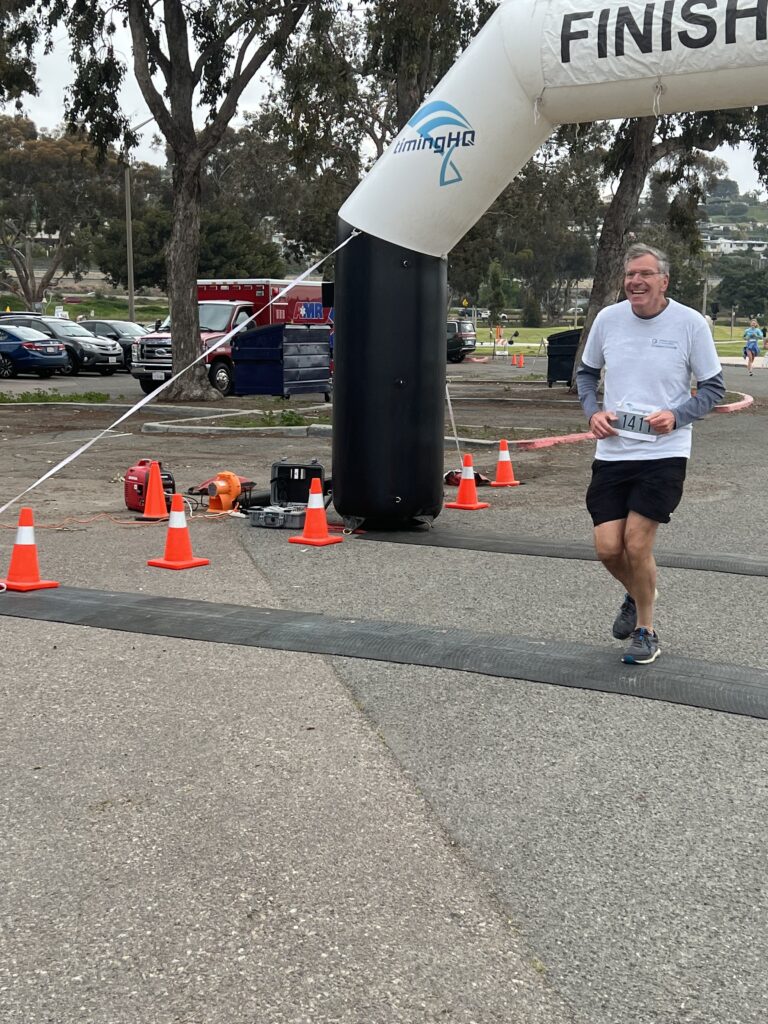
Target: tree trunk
x,y
637,162
26,284
183,257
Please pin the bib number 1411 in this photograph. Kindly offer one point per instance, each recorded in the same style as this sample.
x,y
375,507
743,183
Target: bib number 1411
x,y
634,423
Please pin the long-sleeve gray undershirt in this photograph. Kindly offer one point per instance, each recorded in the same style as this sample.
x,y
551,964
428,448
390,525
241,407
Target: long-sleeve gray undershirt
x,y
708,393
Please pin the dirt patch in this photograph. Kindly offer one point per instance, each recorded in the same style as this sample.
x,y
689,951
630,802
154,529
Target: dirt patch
x,y
483,409
24,421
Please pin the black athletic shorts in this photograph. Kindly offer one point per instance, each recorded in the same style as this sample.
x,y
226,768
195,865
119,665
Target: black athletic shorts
x,y
651,487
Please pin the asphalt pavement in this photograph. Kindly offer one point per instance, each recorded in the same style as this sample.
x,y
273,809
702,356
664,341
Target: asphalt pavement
x,y
212,834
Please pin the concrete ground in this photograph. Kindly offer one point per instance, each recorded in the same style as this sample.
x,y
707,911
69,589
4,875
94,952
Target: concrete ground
x,y
214,834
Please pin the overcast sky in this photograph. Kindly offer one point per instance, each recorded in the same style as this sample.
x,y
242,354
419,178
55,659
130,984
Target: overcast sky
x,y
54,76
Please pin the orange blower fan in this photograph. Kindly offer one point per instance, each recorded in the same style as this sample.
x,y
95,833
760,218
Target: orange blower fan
x,y
223,492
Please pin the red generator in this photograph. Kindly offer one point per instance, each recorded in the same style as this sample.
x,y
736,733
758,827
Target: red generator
x,y
136,480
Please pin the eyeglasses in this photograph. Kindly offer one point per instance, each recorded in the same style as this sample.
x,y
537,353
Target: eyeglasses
x,y
644,274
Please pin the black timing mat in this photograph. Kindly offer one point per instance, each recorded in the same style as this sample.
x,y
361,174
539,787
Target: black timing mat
x,y
503,544
728,688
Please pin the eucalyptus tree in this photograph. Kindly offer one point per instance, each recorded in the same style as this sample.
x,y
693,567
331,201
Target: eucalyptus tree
x,y
51,186
676,143
743,286
347,86
150,230
18,35
188,60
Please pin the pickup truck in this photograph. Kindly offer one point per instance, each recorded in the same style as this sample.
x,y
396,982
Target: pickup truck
x,y
462,339
151,354
223,304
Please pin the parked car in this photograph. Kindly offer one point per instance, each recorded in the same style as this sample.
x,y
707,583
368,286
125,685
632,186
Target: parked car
x,y
123,331
84,350
462,339
23,350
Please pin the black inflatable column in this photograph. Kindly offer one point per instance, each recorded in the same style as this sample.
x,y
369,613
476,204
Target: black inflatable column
x,y
389,382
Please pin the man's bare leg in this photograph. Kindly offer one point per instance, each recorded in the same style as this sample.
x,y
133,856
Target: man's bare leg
x,y
639,538
625,547
610,548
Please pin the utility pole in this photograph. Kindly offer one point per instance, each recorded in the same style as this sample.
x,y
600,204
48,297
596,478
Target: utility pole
x,y
129,225
129,239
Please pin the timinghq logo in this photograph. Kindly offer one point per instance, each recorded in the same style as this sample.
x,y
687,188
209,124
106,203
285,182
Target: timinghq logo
x,y
427,123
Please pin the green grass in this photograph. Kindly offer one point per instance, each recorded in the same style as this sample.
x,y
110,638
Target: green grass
x,y
725,348
525,335
23,397
111,308
285,418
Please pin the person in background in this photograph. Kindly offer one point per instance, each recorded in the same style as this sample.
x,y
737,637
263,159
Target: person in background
x,y
753,337
649,346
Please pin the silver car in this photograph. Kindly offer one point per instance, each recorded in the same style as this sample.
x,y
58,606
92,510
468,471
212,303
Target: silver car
x,y
84,350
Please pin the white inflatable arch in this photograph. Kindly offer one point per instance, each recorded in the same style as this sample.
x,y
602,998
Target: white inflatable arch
x,y
535,64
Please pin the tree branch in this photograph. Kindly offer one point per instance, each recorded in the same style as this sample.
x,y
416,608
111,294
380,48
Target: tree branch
x,y
212,134
140,31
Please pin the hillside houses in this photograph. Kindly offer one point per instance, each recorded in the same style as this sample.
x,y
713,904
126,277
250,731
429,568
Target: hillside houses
x,y
722,246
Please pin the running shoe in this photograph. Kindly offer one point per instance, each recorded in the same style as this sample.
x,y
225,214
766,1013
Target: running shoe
x,y
626,620
643,647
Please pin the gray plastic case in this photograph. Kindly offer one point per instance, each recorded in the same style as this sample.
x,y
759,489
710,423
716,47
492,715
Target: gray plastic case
x,y
289,517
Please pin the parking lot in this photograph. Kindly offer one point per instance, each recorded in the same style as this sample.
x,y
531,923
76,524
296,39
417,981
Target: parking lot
x,y
214,832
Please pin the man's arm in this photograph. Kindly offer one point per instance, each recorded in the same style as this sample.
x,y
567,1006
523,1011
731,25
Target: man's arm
x,y
587,380
708,393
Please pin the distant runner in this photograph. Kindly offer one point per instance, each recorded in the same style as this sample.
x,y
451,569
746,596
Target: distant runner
x,y
753,338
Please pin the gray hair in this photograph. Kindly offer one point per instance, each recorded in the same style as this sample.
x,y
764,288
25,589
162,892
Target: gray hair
x,y
640,249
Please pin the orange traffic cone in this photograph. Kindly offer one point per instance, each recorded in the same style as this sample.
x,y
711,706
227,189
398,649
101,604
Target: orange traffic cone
x,y
315,523
154,500
24,572
505,475
521,360
467,496
178,546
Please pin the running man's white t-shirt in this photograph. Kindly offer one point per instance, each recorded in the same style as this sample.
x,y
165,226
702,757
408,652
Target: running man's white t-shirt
x,y
649,365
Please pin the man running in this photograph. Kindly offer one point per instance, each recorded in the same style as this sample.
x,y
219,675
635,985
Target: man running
x,y
649,346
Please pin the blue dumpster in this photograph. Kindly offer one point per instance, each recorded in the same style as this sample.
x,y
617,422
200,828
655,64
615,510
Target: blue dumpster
x,y
283,359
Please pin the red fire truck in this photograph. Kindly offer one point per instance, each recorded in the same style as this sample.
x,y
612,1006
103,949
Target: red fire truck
x,y
222,306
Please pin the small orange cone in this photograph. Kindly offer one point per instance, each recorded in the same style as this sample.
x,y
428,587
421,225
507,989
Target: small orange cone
x,y
315,523
178,546
521,360
505,475
24,572
467,496
154,500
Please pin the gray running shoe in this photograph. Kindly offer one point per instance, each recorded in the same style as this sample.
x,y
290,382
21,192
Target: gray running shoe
x,y
643,647
626,620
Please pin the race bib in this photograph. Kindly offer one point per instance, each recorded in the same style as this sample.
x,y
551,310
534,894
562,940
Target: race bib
x,y
631,422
